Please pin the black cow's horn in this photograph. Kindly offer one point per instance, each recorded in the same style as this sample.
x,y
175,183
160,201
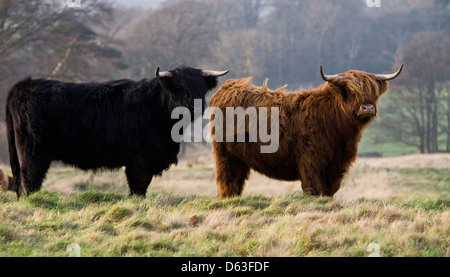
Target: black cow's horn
x,y
329,78
387,77
213,73
162,74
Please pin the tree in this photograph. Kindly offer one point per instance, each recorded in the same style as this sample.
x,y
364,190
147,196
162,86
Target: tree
x,y
179,32
244,51
242,44
45,38
36,35
419,107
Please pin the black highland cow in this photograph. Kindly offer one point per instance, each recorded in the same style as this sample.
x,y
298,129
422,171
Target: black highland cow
x,y
100,125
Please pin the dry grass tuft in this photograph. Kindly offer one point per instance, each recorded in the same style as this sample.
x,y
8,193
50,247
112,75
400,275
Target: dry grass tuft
x,y
404,210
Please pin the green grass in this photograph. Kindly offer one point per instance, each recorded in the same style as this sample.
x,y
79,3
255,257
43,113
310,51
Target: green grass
x,y
413,221
386,149
110,224
425,180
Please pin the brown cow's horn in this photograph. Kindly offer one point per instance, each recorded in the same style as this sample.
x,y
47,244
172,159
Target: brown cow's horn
x,y
162,74
213,73
329,78
387,77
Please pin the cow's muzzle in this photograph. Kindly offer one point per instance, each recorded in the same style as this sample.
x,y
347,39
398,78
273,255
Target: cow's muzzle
x,y
367,110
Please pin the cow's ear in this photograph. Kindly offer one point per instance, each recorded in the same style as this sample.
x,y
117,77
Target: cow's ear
x,y
345,93
340,87
211,82
211,77
165,79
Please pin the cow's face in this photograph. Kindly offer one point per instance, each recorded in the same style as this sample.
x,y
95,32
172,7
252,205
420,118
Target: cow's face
x,y
184,84
360,91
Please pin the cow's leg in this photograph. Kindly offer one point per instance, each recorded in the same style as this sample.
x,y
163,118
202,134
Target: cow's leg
x,y
333,175
231,172
332,187
311,179
34,168
138,179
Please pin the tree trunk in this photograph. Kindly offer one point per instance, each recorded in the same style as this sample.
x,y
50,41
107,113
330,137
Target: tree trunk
x,y
422,132
427,128
434,131
422,141
434,117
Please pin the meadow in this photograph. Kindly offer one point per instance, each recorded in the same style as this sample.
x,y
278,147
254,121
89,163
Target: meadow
x,y
402,204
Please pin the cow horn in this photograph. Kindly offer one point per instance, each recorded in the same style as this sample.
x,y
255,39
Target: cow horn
x,y
162,74
329,78
387,77
212,73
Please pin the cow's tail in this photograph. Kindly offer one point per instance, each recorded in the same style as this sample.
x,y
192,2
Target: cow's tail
x,y
13,157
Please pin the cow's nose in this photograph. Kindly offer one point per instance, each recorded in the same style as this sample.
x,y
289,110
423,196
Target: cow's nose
x,y
366,110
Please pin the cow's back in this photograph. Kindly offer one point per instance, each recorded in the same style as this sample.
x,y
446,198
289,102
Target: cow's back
x,y
88,125
241,93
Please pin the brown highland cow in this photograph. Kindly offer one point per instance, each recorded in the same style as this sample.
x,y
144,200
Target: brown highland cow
x,y
6,182
319,131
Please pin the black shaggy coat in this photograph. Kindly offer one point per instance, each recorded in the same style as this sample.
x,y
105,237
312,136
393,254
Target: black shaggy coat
x,y
99,125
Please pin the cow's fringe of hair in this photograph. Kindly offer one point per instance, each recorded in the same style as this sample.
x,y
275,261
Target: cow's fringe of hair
x,y
319,132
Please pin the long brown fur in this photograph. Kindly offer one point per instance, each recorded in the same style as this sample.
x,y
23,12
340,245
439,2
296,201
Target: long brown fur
x,y
319,132
6,182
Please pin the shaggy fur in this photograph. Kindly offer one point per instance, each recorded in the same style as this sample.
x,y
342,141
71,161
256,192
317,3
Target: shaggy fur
x,y
319,132
6,182
95,126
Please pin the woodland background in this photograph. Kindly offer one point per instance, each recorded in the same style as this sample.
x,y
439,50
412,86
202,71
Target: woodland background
x,y
283,40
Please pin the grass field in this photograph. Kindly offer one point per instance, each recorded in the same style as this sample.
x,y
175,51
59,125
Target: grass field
x,y
369,144
402,204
